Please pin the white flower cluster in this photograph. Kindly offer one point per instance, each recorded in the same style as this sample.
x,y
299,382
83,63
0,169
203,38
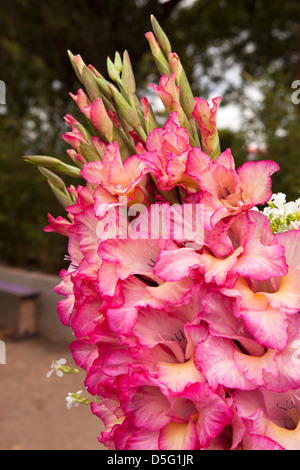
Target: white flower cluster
x,y
283,215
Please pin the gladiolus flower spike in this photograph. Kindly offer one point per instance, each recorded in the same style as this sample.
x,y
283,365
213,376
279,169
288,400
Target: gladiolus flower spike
x,y
182,296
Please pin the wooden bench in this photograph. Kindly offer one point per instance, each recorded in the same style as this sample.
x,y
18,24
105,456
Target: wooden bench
x,y
26,317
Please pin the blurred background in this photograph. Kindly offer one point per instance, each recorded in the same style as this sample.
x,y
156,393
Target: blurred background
x,y
246,51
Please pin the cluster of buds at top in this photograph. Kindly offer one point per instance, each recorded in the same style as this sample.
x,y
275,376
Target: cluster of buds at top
x,y
114,113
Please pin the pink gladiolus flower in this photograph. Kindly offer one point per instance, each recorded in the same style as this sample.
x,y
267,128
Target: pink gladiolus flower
x,y
266,307
168,92
167,154
206,118
118,178
226,192
275,425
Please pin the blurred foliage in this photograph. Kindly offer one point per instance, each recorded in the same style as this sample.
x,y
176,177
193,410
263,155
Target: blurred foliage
x,y
212,37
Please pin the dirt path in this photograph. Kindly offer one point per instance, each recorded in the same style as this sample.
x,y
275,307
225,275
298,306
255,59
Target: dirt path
x,y
33,412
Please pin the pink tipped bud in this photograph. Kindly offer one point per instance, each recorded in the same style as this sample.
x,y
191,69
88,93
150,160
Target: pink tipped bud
x,y
81,99
101,120
206,118
160,58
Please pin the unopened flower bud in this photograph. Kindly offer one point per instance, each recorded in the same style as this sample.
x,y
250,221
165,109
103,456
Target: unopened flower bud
x,y
128,80
161,36
53,163
159,57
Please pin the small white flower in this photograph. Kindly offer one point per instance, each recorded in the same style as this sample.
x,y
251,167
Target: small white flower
x,y
278,199
290,208
295,225
55,366
72,399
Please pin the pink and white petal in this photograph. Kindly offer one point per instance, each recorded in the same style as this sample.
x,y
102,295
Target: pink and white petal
x,y
194,334
135,167
182,409
115,167
257,442
288,361
59,225
254,367
104,201
219,240
214,357
288,439
218,271
65,309
110,421
83,321
148,409
288,295
196,161
129,256
153,162
176,377
255,180
100,119
221,212
175,265
83,352
226,159
103,334
190,305
291,242
179,436
217,312
213,415
175,168
282,408
142,439
261,224
246,298
116,363
213,210
164,328
261,262
171,292
108,281
123,318
92,172
269,327
86,224
249,404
